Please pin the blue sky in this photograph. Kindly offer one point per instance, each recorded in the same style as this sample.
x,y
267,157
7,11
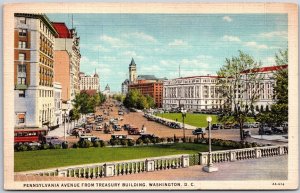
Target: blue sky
x,y
159,43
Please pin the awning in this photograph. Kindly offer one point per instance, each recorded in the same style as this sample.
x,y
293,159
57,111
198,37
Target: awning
x,y
21,116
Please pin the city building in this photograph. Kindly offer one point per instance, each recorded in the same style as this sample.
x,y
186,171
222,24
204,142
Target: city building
x,y
106,91
192,93
124,86
265,87
67,60
132,72
153,89
58,120
34,38
146,84
88,82
201,92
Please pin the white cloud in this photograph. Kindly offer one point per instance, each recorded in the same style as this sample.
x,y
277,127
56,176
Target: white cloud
x,y
231,38
132,54
100,48
85,61
282,34
141,36
256,45
178,42
227,18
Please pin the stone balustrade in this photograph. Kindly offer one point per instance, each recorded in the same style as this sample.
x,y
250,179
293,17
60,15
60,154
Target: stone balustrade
x,y
160,163
242,154
117,168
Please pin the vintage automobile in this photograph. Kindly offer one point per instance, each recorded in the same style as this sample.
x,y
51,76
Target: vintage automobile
x,y
199,131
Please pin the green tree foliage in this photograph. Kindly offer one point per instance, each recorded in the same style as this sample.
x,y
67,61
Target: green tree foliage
x,y
234,83
118,97
279,110
134,99
84,103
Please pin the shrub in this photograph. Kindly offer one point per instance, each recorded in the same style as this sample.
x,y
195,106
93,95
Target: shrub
x,y
190,140
21,147
32,147
176,140
139,142
103,143
55,146
85,144
114,142
147,141
75,145
169,139
45,146
130,142
155,140
163,139
124,142
65,145
96,144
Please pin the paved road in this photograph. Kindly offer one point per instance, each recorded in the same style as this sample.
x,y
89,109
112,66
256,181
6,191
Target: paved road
x,y
137,119
272,168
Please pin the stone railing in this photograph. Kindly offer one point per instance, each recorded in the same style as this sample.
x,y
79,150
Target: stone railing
x,y
242,154
116,168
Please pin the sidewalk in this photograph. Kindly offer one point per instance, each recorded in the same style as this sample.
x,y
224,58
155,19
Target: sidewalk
x,y
272,168
60,130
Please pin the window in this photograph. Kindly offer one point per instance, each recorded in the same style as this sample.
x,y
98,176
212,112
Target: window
x,y
22,20
22,44
22,32
22,57
21,118
21,93
21,68
22,80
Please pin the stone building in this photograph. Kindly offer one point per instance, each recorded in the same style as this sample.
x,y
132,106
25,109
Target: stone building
x,y
193,93
88,82
67,60
34,41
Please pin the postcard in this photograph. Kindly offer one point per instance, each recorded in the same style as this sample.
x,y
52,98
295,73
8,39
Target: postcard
x,y
150,96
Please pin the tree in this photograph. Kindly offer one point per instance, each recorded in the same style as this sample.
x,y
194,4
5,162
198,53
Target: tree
x,y
238,76
279,110
135,99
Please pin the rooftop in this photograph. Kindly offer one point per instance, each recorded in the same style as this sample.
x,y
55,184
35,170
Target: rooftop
x,y
267,69
62,30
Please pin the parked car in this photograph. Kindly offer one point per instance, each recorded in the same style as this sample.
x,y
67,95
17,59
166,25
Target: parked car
x,y
89,138
133,131
126,126
265,130
119,136
117,127
147,135
216,126
199,131
47,139
120,112
278,129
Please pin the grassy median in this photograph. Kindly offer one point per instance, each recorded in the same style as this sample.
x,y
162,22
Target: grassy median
x,y
197,120
41,159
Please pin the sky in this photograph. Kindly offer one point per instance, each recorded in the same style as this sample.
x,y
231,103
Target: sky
x,y
160,43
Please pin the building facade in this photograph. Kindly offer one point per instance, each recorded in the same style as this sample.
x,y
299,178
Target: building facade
x,y
58,120
68,41
192,93
132,72
153,89
87,82
34,43
265,87
201,92
124,87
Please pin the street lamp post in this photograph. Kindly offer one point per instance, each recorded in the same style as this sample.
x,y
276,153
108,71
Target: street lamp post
x,y
183,113
65,125
209,168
